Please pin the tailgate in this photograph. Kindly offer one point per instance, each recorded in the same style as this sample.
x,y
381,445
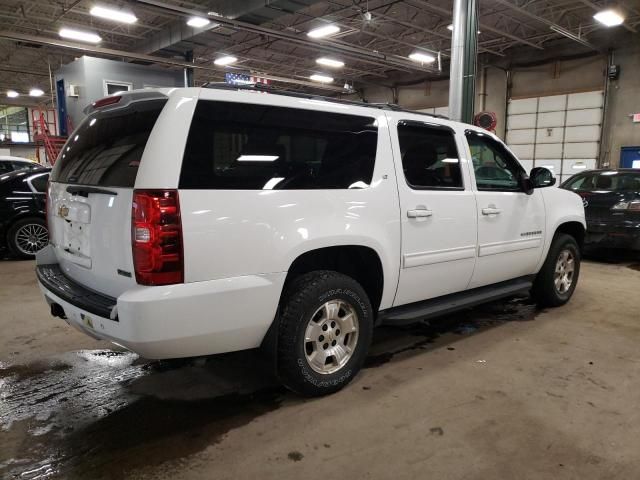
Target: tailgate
x,y
90,195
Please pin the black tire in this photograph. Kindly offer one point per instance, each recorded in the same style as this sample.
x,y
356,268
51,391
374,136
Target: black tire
x,y
15,229
300,304
544,291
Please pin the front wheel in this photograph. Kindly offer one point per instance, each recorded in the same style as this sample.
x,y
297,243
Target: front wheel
x,y
558,277
325,329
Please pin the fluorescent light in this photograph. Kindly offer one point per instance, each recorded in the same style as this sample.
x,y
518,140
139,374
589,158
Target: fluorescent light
x,y
330,62
450,160
610,18
198,22
257,158
422,57
12,94
79,35
321,78
226,60
36,92
113,14
323,31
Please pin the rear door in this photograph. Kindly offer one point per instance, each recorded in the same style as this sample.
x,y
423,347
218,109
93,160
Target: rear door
x,y
438,212
90,195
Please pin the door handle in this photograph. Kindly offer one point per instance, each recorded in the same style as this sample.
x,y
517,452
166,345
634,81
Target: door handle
x,y
419,213
491,211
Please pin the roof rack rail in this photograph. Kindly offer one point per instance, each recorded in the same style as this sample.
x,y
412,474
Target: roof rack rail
x,y
262,87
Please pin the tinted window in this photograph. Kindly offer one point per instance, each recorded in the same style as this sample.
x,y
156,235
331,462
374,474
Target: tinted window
x,y
495,168
608,181
429,156
244,146
39,182
107,147
5,167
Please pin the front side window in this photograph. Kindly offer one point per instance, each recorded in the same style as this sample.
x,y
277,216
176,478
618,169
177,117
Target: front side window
x,y
429,156
495,168
261,147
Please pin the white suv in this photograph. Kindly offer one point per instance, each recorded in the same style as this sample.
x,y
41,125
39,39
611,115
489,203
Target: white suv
x,y
197,221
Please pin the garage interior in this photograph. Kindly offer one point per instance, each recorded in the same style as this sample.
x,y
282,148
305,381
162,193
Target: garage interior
x,y
504,390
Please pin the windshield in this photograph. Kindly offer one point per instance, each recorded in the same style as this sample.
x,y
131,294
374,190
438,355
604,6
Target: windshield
x,y
107,147
609,181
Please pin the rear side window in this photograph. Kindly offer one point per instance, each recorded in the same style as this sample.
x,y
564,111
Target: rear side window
x,y
256,147
607,181
39,182
429,156
107,147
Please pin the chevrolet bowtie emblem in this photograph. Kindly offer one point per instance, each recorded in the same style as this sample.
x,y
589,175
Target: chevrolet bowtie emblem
x,y
63,211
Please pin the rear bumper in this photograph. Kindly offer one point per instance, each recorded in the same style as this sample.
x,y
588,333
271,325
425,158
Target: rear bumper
x,y
184,320
624,235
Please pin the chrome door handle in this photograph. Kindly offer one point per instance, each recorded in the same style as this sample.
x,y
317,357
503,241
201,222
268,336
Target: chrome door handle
x,y
419,213
491,211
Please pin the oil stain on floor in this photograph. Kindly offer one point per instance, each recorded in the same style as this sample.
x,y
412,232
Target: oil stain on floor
x,y
105,413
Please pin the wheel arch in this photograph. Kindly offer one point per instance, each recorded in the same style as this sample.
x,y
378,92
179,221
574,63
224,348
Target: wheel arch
x,y
575,229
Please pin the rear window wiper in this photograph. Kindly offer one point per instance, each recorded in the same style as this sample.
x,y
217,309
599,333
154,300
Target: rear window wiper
x,y
85,190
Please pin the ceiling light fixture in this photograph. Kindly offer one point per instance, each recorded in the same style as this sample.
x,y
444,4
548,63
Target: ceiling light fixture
x,y
323,31
113,14
198,22
225,60
422,57
330,62
79,35
609,18
36,92
12,94
321,78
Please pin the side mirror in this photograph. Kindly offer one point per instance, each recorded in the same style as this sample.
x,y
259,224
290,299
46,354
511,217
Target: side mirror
x,y
542,177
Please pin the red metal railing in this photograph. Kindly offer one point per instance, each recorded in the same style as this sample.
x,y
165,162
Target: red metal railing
x,y
45,133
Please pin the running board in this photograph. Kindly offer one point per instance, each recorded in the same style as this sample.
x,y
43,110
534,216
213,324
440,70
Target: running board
x,y
436,307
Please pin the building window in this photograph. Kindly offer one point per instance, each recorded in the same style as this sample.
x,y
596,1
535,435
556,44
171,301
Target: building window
x,y
111,87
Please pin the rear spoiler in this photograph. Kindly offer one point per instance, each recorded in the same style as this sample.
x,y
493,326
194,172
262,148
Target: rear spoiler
x,y
122,100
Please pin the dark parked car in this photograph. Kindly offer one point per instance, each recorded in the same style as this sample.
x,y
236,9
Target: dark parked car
x,y
23,228
611,200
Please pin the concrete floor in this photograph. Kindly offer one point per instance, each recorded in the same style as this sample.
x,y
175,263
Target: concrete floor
x,y
503,391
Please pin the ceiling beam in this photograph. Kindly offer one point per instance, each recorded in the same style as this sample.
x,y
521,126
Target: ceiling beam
x,y
553,26
109,52
346,49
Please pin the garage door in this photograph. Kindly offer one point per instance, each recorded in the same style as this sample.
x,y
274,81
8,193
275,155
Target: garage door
x,y
559,132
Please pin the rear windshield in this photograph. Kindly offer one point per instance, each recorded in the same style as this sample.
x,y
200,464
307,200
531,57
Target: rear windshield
x,y
107,147
262,147
610,181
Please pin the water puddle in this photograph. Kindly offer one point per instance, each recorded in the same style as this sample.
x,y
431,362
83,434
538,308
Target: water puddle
x,y
104,414
392,341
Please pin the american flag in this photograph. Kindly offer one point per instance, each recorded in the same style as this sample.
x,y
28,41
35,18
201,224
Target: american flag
x,y
243,79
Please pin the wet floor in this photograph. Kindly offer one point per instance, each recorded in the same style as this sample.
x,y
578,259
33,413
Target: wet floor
x,y
107,413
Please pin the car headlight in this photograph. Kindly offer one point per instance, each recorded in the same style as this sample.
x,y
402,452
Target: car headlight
x,y
633,205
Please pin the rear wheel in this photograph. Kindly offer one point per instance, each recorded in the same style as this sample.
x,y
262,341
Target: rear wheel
x,y
27,236
325,328
558,277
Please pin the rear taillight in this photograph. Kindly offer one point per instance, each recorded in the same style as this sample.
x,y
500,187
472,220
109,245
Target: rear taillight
x,y
47,194
633,206
156,236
